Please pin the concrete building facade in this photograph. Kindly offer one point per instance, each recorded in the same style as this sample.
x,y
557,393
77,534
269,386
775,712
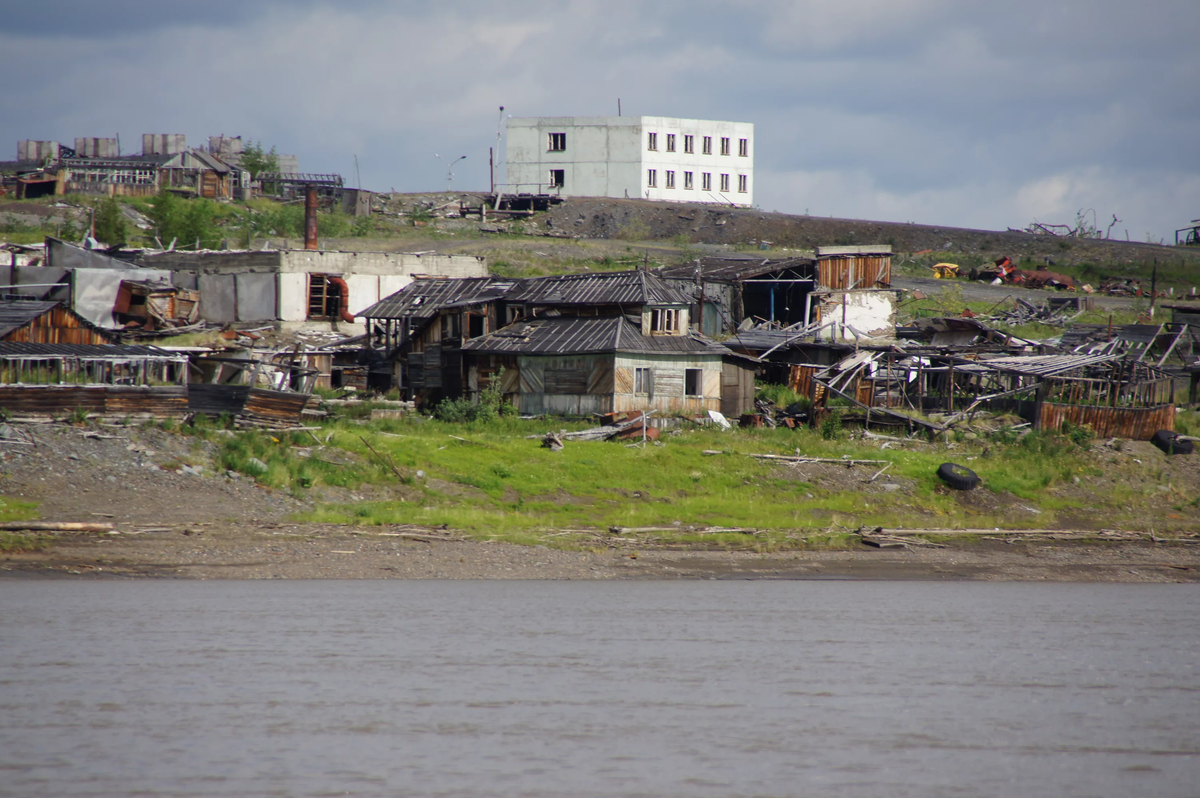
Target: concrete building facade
x,y
647,157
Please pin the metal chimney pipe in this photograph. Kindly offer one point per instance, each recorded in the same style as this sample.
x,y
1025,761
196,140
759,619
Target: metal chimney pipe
x,y
310,218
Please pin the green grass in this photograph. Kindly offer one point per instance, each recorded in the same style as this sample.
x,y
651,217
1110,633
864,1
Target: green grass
x,y
19,510
489,480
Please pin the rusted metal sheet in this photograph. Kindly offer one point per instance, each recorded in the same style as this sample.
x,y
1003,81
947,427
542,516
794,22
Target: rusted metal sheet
x,y
1134,423
862,271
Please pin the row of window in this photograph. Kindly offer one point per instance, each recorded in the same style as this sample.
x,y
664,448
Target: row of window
x,y
558,143
689,144
705,181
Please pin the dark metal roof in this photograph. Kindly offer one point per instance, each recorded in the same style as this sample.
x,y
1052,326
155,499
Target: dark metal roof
x,y
577,336
735,269
422,298
106,351
603,288
15,313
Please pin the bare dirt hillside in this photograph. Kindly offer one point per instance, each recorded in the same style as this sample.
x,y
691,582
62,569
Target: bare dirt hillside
x,y
641,220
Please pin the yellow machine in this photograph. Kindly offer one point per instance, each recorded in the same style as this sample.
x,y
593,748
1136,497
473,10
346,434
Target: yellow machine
x,y
945,271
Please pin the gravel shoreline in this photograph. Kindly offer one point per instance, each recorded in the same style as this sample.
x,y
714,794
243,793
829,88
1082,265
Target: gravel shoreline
x,y
279,551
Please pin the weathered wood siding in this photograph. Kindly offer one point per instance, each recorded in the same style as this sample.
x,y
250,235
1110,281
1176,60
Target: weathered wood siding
x,y
568,385
158,400
667,394
58,326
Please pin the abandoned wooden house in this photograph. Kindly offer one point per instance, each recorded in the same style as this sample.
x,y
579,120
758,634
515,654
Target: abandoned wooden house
x,y
447,338
582,365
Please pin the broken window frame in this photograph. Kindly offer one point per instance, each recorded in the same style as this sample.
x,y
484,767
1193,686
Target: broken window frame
x,y
725,145
558,178
652,142
670,178
557,142
324,304
665,321
670,142
708,145
693,382
688,182
652,178
689,144
744,148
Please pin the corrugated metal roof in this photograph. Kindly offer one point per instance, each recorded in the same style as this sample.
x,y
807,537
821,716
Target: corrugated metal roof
x,y
604,288
16,313
1036,365
421,299
578,336
23,349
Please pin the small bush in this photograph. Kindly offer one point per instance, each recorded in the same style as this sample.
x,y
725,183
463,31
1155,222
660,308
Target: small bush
x,y
831,425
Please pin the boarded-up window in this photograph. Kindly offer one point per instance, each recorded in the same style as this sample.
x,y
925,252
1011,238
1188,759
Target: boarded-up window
x,y
693,382
643,381
566,380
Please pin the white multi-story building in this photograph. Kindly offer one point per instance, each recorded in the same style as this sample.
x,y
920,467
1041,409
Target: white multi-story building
x,y
651,157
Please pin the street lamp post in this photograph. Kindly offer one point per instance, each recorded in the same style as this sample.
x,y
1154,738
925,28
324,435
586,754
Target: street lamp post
x,y
449,168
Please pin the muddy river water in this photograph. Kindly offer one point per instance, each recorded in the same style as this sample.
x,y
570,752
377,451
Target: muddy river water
x,y
489,688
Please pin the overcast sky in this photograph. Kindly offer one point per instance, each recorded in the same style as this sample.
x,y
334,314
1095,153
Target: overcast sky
x,y
983,115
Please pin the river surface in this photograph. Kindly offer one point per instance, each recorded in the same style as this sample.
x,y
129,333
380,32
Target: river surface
x,y
491,688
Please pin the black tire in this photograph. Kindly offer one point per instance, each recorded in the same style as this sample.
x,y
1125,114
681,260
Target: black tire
x,y
958,477
1169,442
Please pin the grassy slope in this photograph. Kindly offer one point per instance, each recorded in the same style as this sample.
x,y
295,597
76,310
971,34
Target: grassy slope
x,y
498,484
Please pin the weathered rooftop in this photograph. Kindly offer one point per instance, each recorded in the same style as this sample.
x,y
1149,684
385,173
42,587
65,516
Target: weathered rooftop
x,y
421,299
733,269
22,349
578,336
603,288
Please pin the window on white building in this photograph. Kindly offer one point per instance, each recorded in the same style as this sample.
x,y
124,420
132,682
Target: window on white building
x,y
706,181
744,147
689,144
670,178
708,145
743,183
724,182
558,142
670,142
687,181
652,141
558,178
693,382
652,177
724,145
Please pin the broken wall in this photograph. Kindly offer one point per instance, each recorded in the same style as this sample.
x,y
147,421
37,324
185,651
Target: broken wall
x,y
867,313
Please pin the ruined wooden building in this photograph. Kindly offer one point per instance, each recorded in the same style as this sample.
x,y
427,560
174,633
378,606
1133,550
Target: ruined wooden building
x,y
570,344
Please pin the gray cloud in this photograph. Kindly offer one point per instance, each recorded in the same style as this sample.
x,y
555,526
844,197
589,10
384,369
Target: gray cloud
x,y
919,110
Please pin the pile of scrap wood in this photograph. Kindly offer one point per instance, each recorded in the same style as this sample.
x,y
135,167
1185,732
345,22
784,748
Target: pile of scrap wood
x,y
1023,312
621,426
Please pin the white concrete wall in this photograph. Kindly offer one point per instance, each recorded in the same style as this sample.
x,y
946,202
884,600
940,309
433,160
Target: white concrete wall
x,y
610,157
872,313
384,263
